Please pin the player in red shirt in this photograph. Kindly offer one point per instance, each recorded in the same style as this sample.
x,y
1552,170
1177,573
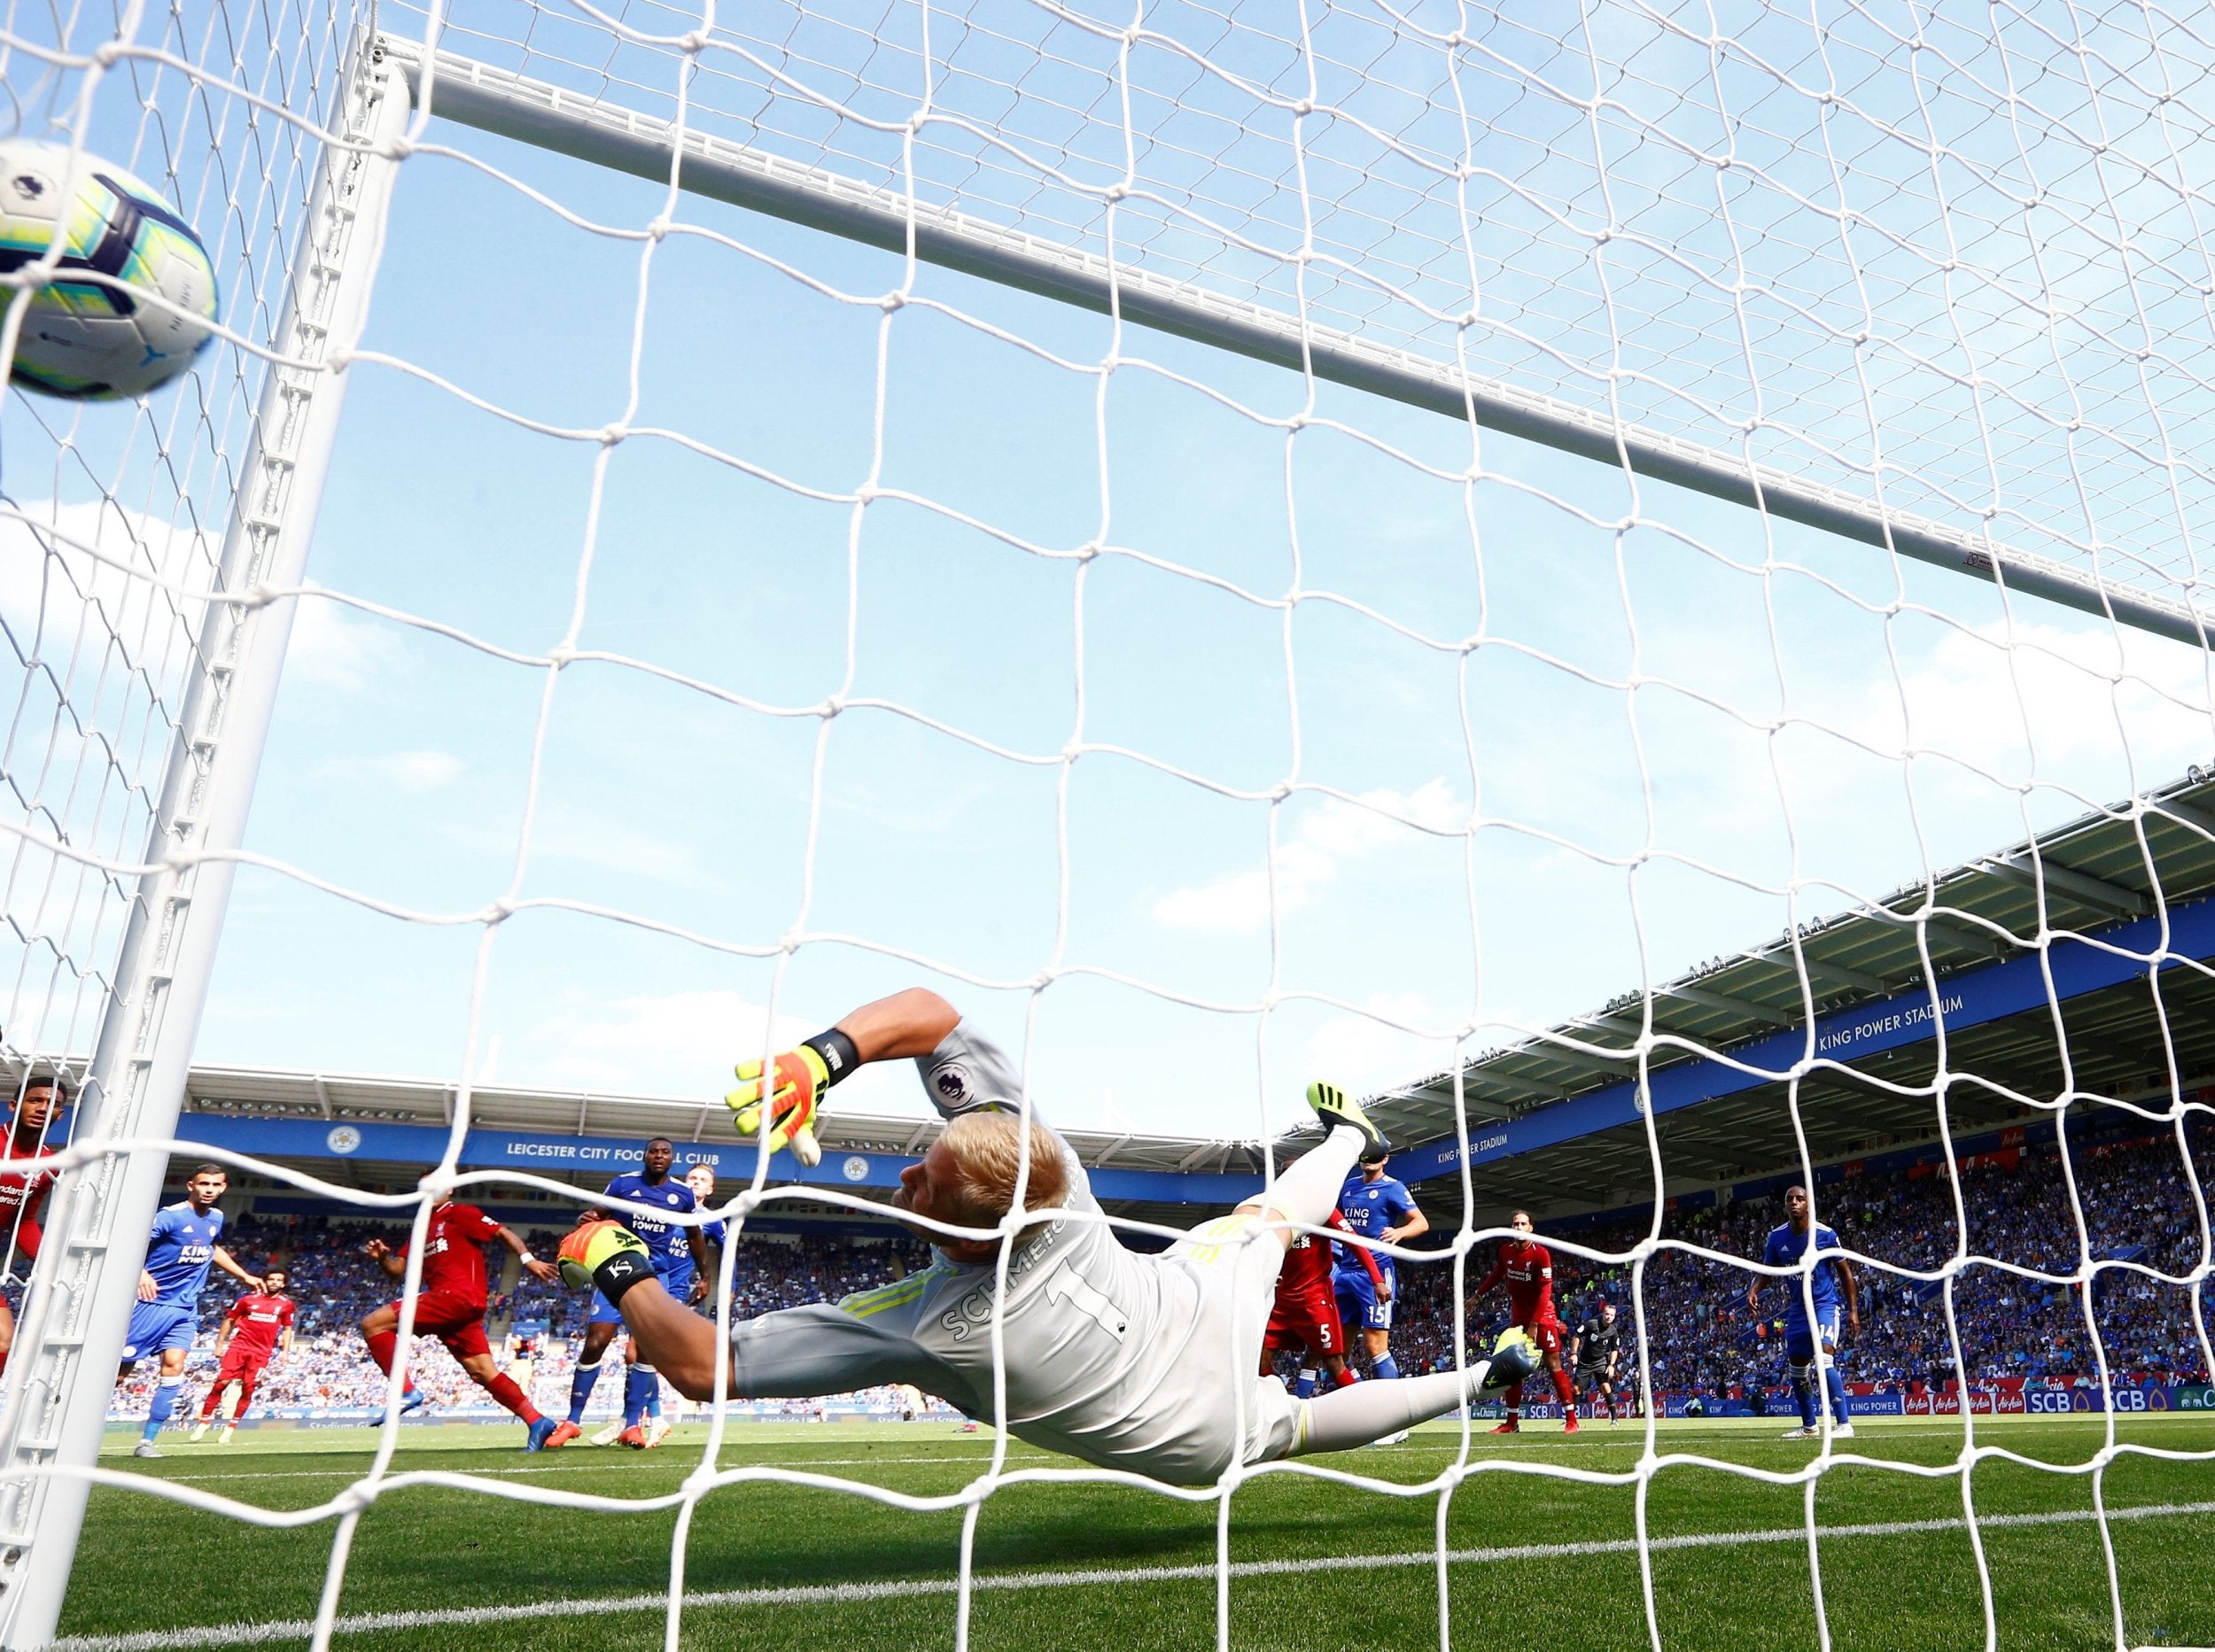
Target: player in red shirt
x,y
450,1305
257,1321
23,1185
1305,1317
1526,1266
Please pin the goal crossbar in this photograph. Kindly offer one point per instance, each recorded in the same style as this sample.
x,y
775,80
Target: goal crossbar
x,y
546,117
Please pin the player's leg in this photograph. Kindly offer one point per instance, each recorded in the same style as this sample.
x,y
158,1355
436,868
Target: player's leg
x,y
169,1386
466,1341
1833,1380
1306,1190
7,1331
247,1380
1564,1391
1513,1396
599,1332
1341,1375
641,1383
1369,1412
380,1334
1799,1360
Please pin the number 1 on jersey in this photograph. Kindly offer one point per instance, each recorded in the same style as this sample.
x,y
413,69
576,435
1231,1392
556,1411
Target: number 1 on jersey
x,y
1065,1286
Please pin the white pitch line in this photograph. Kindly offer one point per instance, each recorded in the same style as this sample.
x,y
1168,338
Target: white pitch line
x,y
836,1593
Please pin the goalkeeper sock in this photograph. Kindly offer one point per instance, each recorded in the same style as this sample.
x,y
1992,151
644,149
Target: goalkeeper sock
x,y
502,1388
580,1386
1369,1411
162,1405
1388,1369
1568,1394
637,1383
1304,1389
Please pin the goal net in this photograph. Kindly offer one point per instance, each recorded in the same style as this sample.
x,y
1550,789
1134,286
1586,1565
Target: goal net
x,y
1241,543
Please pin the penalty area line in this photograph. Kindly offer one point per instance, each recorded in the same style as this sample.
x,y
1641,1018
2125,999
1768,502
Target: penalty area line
x,y
839,1593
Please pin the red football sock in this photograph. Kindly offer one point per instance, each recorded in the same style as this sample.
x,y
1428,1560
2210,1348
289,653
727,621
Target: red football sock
x,y
1515,1399
1568,1394
1346,1378
502,1387
245,1396
383,1346
208,1406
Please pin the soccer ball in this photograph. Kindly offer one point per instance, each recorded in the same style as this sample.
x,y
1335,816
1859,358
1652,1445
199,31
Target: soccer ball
x,y
94,340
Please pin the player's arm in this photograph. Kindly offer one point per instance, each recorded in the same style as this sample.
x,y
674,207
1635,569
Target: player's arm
x,y
906,1025
252,1282
696,1238
1368,1259
1853,1296
543,1271
1413,1225
225,1332
1576,1345
394,1262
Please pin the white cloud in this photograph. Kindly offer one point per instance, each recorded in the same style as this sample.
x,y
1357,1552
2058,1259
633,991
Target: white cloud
x,y
1324,837
58,593
2069,694
615,846
679,1043
410,772
335,646
1364,1055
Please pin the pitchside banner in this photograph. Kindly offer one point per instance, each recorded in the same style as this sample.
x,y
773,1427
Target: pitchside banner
x,y
732,1162
2125,952
2006,1403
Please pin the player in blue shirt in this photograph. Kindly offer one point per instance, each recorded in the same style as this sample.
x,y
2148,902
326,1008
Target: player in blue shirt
x,y
178,1254
1376,1207
1786,1247
679,1252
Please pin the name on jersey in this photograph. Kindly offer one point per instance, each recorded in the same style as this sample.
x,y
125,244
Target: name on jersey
x,y
975,1308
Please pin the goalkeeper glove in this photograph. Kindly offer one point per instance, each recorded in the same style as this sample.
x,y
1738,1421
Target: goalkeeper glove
x,y
795,1085
606,1255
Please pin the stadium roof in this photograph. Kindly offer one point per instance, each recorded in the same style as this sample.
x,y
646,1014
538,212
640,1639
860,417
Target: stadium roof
x,y
2127,881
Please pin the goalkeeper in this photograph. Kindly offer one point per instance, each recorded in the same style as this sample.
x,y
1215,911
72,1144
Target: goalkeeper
x,y
1140,1362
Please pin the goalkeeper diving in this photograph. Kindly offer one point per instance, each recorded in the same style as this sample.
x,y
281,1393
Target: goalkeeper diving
x,y
1139,1362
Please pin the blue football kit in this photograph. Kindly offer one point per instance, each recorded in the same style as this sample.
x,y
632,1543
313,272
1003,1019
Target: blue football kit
x,y
667,1241
1788,1245
1368,1208
179,1253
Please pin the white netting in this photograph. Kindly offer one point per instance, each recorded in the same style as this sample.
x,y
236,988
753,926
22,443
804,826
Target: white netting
x,y
811,549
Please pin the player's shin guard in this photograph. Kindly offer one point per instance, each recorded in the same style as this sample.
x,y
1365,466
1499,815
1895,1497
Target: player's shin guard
x,y
580,1386
1804,1395
163,1405
1387,1368
502,1387
638,1383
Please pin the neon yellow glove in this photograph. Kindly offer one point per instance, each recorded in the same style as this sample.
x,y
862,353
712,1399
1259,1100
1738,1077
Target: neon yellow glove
x,y
797,1080
591,1245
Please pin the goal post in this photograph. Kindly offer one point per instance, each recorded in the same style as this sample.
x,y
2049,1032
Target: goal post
x,y
78,1305
541,114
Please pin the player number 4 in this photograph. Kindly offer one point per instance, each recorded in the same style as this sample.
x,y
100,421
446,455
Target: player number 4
x,y
1065,1286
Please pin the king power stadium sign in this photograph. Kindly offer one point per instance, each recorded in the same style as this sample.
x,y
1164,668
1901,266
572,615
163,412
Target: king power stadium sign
x,y
2124,952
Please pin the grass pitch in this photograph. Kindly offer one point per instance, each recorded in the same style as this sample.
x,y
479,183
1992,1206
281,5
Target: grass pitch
x,y
1317,1563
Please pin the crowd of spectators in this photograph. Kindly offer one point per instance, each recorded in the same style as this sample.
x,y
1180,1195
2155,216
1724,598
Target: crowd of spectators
x,y
2137,1203
2137,1208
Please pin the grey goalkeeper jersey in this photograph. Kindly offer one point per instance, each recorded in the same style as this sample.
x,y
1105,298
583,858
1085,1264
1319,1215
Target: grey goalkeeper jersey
x,y
1119,1359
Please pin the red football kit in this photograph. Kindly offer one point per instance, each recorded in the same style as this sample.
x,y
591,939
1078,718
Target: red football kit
x,y
1305,1314
451,1304
257,1320
1527,1267
23,1190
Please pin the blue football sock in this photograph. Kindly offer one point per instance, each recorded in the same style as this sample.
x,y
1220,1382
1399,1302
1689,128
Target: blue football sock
x,y
1803,1396
1304,1387
1836,1384
580,1389
653,1401
1387,1369
164,1402
637,1384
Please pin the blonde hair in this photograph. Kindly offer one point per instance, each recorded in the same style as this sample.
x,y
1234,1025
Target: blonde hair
x,y
987,1148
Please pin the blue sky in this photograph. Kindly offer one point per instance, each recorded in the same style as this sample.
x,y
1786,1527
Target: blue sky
x,y
1753,774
